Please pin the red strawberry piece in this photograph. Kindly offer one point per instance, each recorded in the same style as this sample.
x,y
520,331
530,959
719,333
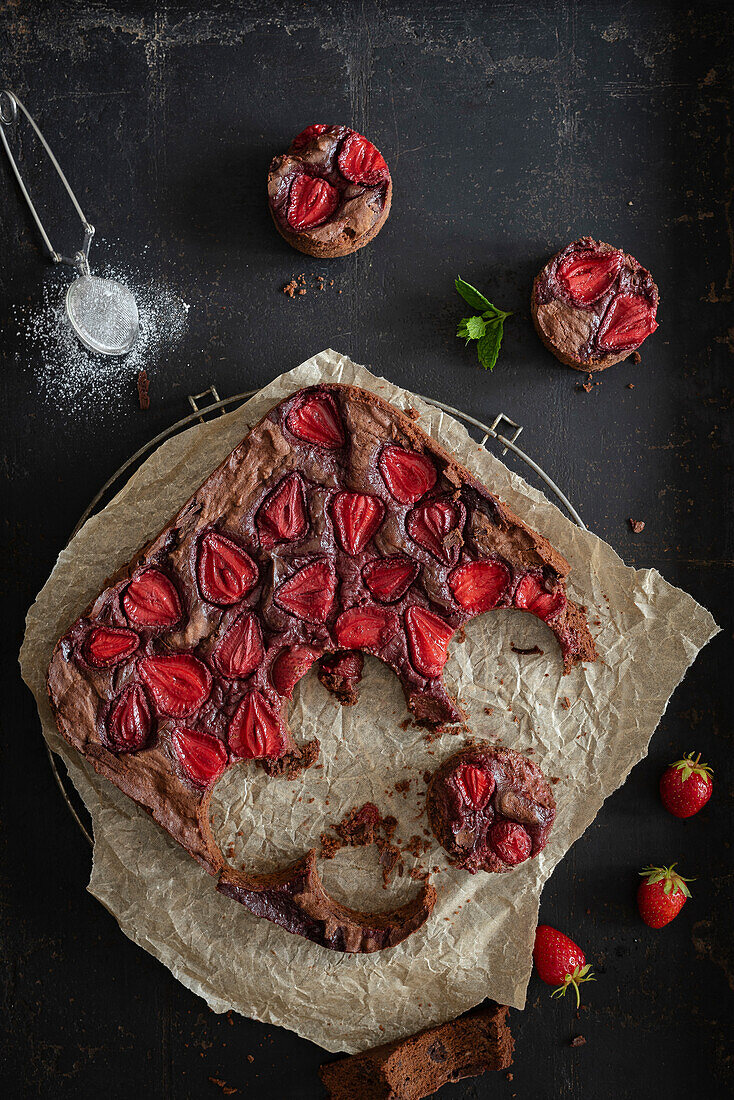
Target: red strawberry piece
x,y
559,961
256,731
203,757
290,665
479,585
686,786
388,579
510,842
436,526
341,673
310,132
428,638
662,895
356,518
152,600
178,683
587,275
282,516
407,474
365,627
309,593
311,202
106,646
224,571
361,162
628,321
531,595
240,650
316,420
476,785
129,721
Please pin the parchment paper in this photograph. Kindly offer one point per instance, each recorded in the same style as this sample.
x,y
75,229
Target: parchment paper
x,y
479,939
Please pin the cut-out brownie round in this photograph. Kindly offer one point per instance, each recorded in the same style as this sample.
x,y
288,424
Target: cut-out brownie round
x,y
330,194
490,808
336,527
593,305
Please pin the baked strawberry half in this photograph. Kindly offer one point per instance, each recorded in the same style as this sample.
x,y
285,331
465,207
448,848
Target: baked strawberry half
x,y
479,585
476,785
129,722
357,517
315,419
202,757
224,571
388,579
256,731
532,595
436,525
311,202
629,320
407,474
106,646
365,627
240,649
282,517
178,683
151,600
309,593
361,162
290,666
428,640
587,275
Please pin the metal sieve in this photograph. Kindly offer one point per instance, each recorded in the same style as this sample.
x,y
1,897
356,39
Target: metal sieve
x,y
102,312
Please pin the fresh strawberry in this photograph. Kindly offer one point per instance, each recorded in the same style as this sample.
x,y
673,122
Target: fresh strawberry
x,y
311,202
290,665
532,595
476,785
256,731
428,638
309,593
129,721
479,585
559,961
240,650
662,895
686,787
152,600
361,162
628,321
407,474
587,275
388,579
356,517
510,842
224,571
310,132
436,526
365,627
282,517
106,646
203,757
178,683
315,419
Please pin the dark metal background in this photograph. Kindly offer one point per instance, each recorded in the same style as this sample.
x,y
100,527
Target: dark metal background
x,y
509,128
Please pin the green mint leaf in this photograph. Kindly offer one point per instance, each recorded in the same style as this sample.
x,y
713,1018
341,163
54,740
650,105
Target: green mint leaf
x,y
488,347
471,295
494,314
472,328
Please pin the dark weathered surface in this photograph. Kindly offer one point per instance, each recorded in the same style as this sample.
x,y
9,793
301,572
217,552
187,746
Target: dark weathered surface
x,y
509,129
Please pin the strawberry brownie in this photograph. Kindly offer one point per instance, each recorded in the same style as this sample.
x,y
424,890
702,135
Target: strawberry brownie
x,y
337,527
490,808
330,194
593,305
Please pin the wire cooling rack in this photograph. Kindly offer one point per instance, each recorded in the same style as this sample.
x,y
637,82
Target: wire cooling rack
x,y
502,429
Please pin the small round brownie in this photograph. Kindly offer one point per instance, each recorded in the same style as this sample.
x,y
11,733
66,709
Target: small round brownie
x,y
490,808
330,194
593,305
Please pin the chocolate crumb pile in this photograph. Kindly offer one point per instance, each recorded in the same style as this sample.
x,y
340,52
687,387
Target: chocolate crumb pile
x,y
298,286
365,825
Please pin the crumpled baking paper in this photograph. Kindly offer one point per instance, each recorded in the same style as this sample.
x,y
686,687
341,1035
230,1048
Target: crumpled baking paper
x,y
586,731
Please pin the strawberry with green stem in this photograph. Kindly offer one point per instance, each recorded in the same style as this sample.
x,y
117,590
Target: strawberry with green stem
x,y
560,962
662,895
686,786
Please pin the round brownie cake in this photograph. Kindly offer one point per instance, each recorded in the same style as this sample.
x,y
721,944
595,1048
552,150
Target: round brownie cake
x,y
593,305
490,808
330,194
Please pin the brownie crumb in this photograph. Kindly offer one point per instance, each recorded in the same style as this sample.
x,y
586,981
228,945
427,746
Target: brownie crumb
x,y
636,357
403,786
404,724
228,1090
588,385
291,288
410,411
630,385
294,763
566,704
143,387
250,1057
578,1041
526,652
330,845
637,525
